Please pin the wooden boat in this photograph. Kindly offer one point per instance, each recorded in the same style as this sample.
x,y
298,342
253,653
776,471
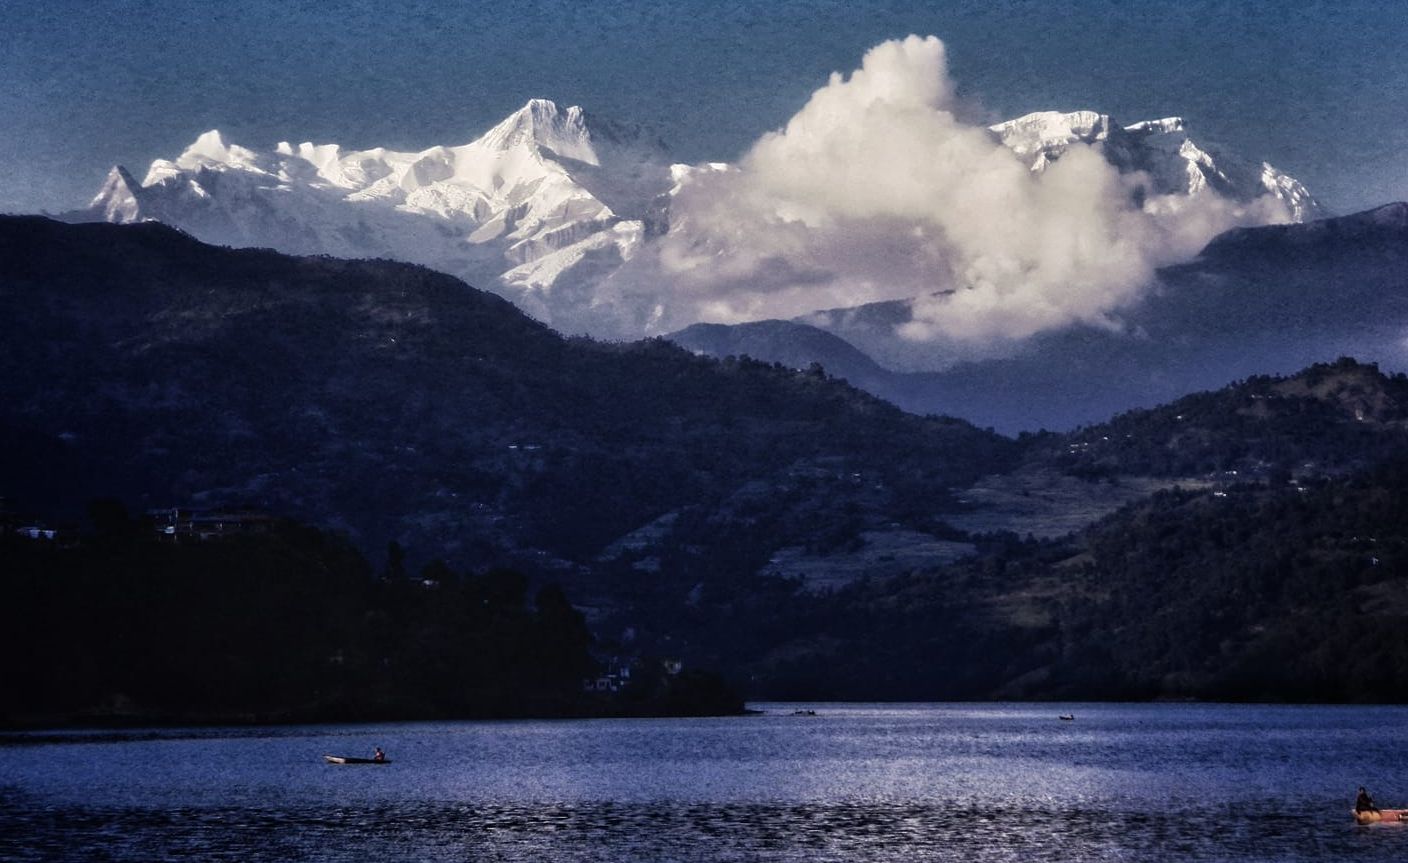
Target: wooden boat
x,y
1382,816
347,759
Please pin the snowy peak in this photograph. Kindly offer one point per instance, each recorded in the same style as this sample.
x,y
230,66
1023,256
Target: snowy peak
x,y
1041,138
117,201
1161,149
1165,126
541,124
581,144
211,150
1048,130
549,205
545,197
1181,165
326,161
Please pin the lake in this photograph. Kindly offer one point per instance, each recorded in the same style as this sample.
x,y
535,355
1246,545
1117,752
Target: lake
x,y
977,782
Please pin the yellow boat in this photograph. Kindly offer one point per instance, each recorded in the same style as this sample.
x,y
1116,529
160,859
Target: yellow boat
x,y
1382,816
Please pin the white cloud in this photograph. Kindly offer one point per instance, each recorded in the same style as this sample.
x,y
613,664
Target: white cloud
x,y
876,191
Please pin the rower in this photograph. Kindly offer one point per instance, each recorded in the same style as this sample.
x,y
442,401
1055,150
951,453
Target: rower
x,y
1364,803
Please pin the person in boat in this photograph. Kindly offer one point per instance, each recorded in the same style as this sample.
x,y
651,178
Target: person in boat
x,y
1364,803
381,756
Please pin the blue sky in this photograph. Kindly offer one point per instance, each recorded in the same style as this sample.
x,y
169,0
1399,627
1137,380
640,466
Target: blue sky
x,y
1318,89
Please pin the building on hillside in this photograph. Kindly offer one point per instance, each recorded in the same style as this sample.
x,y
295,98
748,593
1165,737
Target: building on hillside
x,y
179,524
616,676
617,673
26,526
37,531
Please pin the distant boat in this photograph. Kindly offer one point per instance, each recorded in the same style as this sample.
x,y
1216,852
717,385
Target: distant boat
x,y
1067,717
1382,816
804,713
347,759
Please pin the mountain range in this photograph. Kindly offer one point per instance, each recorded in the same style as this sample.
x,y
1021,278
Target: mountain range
x,y
548,207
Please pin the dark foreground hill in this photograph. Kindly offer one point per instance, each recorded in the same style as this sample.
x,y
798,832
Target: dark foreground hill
x,y
1271,566
806,538
399,404
1275,593
292,624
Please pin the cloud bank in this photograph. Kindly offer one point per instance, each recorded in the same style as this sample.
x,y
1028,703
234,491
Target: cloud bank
x,y
876,191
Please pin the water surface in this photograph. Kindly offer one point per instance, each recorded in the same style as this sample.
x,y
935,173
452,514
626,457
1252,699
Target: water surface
x,y
854,782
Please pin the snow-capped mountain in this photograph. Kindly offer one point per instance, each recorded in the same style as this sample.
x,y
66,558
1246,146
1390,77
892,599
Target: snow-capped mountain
x,y
518,210
1174,163
548,205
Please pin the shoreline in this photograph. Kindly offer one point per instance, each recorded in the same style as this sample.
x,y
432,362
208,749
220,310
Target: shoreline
x,y
22,730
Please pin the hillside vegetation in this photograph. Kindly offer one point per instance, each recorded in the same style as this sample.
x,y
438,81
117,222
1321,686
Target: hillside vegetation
x,y
804,538
1270,568
118,627
398,403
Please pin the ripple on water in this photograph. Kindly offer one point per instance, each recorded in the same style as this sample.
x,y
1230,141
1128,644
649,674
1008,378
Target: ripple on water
x,y
884,783
687,832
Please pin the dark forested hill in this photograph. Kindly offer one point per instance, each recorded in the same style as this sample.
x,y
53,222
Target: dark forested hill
x,y
1329,418
292,624
1271,566
802,536
1290,593
398,403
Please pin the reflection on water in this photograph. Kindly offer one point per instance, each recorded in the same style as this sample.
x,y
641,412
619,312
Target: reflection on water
x,y
937,782
648,832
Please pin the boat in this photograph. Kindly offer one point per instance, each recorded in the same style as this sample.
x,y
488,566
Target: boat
x,y
1382,816
1067,717
348,759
